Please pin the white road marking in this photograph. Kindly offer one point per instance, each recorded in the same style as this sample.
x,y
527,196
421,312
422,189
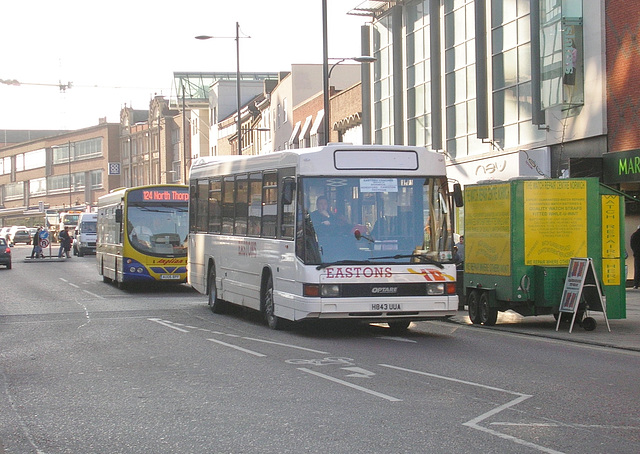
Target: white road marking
x,y
359,372
582,426
77,286
285,345
350,385
93,294
518,424
171,324
474,423
167,324
251,352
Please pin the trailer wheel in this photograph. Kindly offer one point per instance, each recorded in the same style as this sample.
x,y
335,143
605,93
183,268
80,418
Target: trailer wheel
x,y
589,323
474,307
488,315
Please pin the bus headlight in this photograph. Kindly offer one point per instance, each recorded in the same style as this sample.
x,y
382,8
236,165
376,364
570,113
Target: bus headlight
x,y
329,290
436,288
324,290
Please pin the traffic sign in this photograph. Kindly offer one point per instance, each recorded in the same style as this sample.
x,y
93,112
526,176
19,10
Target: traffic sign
x,y
44,243
44,234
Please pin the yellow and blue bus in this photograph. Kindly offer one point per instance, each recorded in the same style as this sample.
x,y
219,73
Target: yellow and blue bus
x,y
142,234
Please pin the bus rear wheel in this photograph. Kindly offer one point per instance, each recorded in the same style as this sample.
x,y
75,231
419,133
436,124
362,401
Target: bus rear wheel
x,y
216,304
268,307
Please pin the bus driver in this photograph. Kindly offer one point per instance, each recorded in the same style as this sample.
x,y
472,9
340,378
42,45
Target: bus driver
x,y
322,215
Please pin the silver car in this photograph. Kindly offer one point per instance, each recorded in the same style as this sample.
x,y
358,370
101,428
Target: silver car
x,y
21,236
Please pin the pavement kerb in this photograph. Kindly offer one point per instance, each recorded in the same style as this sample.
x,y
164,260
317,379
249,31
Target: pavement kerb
x,y
624,335
555,335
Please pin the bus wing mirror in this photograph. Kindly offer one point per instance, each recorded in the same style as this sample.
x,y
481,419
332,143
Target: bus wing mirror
x,y
457,195
288,190
118,215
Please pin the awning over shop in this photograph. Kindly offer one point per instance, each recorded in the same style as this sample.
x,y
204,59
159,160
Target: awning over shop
x,y
304,132
317,123
294,135
348,122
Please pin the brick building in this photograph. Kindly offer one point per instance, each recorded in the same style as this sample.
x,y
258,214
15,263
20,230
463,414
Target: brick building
x,y
57,172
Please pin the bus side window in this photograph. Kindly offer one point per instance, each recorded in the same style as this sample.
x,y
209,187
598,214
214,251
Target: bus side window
x,y
228,205
255,204
269,204
215,205
202,206
241,205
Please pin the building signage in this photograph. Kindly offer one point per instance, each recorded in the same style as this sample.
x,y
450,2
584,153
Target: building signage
x,y
534,163
114,168
621,167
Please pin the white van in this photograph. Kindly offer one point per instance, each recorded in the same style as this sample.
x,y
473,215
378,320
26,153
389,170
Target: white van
x,y
85,234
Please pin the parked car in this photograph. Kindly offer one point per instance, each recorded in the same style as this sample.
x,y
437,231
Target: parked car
x,y
5,253
19,234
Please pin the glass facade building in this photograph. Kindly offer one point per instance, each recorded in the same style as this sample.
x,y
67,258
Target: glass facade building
x,y
479,78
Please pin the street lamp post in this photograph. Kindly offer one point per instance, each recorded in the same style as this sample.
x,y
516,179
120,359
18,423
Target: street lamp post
x,y
70,178
326,71
361,59
239,102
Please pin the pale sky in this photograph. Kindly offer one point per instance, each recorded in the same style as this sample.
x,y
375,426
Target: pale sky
x,y
121,52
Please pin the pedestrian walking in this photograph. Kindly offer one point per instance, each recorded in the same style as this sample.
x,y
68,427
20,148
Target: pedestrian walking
x,y
36,252
65,243
635,247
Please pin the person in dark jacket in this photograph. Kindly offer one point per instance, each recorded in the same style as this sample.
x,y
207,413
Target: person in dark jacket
x,y
36,252
65,243
635,247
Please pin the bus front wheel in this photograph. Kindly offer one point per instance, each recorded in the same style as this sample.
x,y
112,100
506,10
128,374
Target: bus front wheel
x,y
268,307
216,304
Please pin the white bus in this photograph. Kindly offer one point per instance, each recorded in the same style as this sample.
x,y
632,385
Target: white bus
x,y
381,252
